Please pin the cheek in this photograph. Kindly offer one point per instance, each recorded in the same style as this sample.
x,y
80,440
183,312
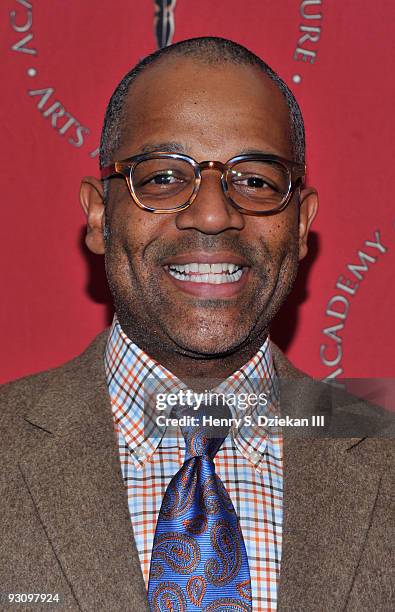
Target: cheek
x,y
285,224
130,229
279,234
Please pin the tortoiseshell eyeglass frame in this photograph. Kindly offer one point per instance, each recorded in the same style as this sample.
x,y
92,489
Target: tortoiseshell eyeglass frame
x,y
295,171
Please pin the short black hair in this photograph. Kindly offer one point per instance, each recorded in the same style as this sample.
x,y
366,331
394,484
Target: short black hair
x,y
212,50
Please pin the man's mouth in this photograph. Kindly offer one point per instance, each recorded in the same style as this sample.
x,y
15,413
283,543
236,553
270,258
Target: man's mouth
x,y
212,274
208,275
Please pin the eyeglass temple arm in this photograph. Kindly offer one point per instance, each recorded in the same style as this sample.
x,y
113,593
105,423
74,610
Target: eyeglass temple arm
x,y
108,171
298,176
299,170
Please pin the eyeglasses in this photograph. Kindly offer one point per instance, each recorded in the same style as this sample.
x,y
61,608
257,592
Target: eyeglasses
x,y
255,184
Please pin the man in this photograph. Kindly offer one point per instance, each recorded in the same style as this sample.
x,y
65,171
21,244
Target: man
x,y
199,258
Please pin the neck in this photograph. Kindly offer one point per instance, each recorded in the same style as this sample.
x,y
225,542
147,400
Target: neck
x,y
185,364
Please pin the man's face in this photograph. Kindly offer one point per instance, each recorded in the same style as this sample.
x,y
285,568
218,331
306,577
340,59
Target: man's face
x,y
209,113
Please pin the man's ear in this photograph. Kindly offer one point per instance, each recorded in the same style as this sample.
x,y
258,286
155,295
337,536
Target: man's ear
x,y
307,212
92,202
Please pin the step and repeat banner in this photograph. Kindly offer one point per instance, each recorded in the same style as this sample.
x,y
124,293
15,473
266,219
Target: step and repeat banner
x,y
60,62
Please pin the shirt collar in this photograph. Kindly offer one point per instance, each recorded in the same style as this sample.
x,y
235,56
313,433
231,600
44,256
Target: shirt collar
x,y
129,370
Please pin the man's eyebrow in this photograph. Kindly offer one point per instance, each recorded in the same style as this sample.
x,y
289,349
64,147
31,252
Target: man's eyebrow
x,y
171,147
177,147
251,151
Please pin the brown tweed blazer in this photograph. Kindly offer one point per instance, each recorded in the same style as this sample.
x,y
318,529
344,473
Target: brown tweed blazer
x,y
65,526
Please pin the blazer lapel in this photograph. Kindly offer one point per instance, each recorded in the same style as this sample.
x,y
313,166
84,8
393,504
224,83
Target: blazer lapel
x,y
330,488
73,473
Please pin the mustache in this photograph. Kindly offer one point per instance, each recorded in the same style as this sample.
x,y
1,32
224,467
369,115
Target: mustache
x,y
161,250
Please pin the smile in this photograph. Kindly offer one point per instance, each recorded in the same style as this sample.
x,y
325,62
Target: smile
x,y
212,274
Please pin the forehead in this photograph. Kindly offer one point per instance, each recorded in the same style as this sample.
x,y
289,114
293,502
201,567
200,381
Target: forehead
x,y
211,111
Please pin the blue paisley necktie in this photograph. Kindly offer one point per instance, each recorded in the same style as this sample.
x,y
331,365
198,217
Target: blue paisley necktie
x,y
199,560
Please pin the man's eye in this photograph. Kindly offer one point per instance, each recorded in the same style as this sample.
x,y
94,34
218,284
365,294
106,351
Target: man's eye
x,y
253,182
164,178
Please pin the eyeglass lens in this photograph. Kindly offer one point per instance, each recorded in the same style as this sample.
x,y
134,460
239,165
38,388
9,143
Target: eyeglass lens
x,y
166,183
163,183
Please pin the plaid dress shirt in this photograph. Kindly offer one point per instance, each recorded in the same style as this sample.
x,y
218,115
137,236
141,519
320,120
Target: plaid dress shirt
x,y
249,462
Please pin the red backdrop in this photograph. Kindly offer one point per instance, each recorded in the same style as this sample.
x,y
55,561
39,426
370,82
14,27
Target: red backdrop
x,y
61,61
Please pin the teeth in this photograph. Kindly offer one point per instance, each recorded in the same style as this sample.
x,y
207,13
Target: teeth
x,y
213,274
216,268
205,268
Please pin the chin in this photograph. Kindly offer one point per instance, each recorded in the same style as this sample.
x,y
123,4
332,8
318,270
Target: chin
x,y
211,345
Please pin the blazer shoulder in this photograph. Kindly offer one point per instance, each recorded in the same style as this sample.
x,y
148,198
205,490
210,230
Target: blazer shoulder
x,y
348,413
19,397
21,393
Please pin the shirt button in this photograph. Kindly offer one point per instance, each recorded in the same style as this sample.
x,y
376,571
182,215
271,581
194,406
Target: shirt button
x,y
255,456
139,452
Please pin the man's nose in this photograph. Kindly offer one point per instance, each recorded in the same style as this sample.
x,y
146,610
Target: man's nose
x,y
210,212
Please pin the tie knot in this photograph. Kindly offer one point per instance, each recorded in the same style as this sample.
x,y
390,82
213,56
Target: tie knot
x,y
206,430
